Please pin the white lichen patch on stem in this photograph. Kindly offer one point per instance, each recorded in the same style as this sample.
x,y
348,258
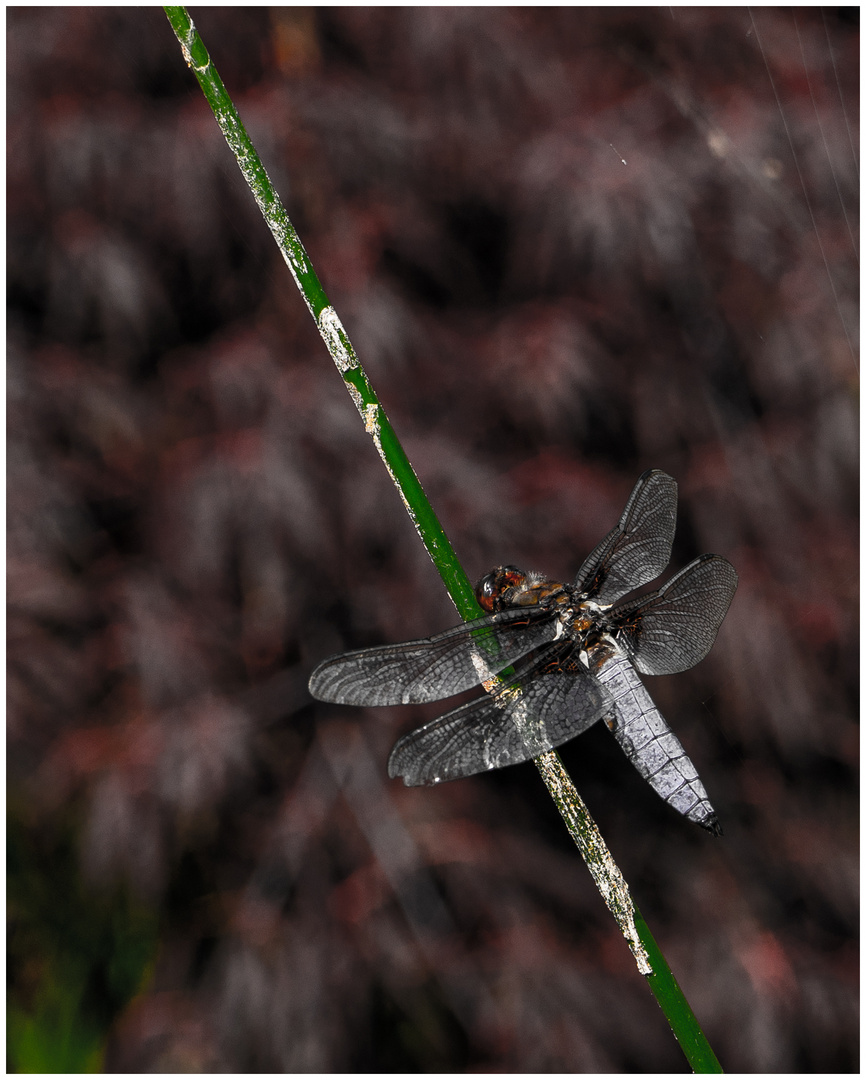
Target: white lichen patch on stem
x,y
290,246
371,419
186,47
606,874
355,395
336,339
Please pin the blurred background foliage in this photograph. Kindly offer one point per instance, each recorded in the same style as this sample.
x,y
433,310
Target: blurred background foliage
x,y
569,244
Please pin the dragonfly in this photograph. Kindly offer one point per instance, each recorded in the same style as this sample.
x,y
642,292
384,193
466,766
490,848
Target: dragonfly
x,y
555,658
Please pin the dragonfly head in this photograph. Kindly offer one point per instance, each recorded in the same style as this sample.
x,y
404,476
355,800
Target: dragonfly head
x,y
496,590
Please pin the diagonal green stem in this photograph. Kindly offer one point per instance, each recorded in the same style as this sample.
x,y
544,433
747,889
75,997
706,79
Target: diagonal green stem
x,y
583,829
376,422
615,892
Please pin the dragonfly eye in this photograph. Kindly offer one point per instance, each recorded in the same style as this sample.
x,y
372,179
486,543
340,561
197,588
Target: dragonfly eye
x,y
490,590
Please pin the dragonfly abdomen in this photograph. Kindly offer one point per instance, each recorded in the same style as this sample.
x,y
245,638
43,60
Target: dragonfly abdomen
x,y
651,746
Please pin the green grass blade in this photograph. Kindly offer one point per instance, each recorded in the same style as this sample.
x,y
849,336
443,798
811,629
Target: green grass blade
x,y
583,829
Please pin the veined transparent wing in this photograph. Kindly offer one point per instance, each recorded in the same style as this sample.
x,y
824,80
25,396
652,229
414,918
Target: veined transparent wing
x,y
673,629
639,548
550,699
436,667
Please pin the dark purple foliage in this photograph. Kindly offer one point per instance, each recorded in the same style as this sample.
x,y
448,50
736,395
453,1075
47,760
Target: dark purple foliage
x,y
196,516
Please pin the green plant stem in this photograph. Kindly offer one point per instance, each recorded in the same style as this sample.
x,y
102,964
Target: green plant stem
x,y
673,1004
615,892
375,421
583,829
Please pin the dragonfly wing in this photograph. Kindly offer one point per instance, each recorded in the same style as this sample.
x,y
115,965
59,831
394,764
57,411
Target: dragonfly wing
x,y
639,548
514,724
674,628
437,667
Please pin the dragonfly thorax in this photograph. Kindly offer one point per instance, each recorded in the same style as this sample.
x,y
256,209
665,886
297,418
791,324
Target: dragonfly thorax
x,y
584,621
509,586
